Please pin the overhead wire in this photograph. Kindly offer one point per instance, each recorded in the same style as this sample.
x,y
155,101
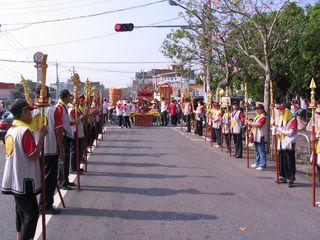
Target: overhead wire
x,y
53,10
90,38
85,16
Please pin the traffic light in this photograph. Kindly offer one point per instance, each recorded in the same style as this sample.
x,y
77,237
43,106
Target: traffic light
x,y
124,27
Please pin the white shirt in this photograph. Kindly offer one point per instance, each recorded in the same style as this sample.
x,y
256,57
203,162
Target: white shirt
x,y
164,106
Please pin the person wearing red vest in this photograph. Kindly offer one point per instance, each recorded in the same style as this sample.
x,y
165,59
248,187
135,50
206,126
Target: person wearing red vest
x,y
258,129
287,131
236,119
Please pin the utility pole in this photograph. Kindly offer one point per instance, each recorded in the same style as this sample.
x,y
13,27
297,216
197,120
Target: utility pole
x,y
57,81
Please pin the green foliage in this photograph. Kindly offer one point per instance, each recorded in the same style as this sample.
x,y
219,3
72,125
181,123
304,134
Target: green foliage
x,y
18,92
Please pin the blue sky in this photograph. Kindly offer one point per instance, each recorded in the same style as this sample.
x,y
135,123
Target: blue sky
x,y
139,45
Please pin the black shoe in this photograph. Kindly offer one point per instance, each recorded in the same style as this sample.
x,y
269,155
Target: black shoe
x,y
65,187
71,184
53,211
234,155
291,184
238,156
282,180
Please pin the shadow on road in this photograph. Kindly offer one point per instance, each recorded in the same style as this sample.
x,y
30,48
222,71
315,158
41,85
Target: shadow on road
x,y
138,215
126,164
151,192
138,175
130,147
132,154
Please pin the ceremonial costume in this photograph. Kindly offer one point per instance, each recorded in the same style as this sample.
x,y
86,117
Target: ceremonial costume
x,y
225,127
236,119
51,156
287,131
61,112
76,114
216,117
21,177
187,110
258,131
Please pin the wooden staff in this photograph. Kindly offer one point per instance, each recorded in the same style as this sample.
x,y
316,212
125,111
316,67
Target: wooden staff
x,y
88,133
275,137
229,132
43,101
211,138
95,114
221,92
313,134
101,114
247,124
76,81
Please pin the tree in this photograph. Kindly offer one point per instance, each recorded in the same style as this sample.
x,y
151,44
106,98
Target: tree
x,y
18,92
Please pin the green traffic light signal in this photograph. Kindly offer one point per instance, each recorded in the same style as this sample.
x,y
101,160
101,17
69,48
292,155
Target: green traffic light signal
x,y
124,27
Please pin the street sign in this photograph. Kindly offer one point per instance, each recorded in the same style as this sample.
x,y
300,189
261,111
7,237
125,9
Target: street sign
x,y
37,58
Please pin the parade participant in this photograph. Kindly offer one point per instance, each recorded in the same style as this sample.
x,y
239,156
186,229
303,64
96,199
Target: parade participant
x,y
216,117
21,177
105,111
187,113
119,111
164,112
304,103
53,148
173,112
258,129
287,131
236,119
126,114
200,116
76,114
61,112
225,127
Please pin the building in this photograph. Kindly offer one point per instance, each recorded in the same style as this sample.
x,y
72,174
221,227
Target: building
x,y
5,90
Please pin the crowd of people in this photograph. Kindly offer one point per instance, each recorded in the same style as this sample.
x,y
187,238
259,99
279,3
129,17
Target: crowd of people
x,y
71,126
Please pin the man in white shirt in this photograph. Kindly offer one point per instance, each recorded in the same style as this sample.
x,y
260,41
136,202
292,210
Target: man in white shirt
x,y
164,112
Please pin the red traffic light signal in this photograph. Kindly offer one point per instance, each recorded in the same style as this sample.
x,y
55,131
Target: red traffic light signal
x,y
124,27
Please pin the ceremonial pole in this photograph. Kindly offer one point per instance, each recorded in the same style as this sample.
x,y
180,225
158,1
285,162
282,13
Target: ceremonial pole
x,y
101,114
76,81
247,124
88,133
221,92
229,132
94,89
275,137
42,102
313,134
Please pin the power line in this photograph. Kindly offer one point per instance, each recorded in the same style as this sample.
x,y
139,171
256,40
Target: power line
x,y
55,9
86,16
89,38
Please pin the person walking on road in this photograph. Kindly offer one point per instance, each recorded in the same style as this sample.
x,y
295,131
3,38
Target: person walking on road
x,y
164,112
126,114
287,132
173,112
200,116
21,177
216,116
258,129
119,111
225,127
187,111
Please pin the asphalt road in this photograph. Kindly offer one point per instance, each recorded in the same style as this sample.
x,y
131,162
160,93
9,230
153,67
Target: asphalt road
x,y
155,183
159,183
7,213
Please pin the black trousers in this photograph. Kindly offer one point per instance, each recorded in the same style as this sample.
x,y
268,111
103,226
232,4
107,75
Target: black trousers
x,y
237,140
64,168
127,121
188,122
164,118
27,213
199,129
215,132
227,138
73,155
120,119
51,173
287,164
173,119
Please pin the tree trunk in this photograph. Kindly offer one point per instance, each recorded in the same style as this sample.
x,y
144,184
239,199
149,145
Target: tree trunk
x,y
266,102
223,83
